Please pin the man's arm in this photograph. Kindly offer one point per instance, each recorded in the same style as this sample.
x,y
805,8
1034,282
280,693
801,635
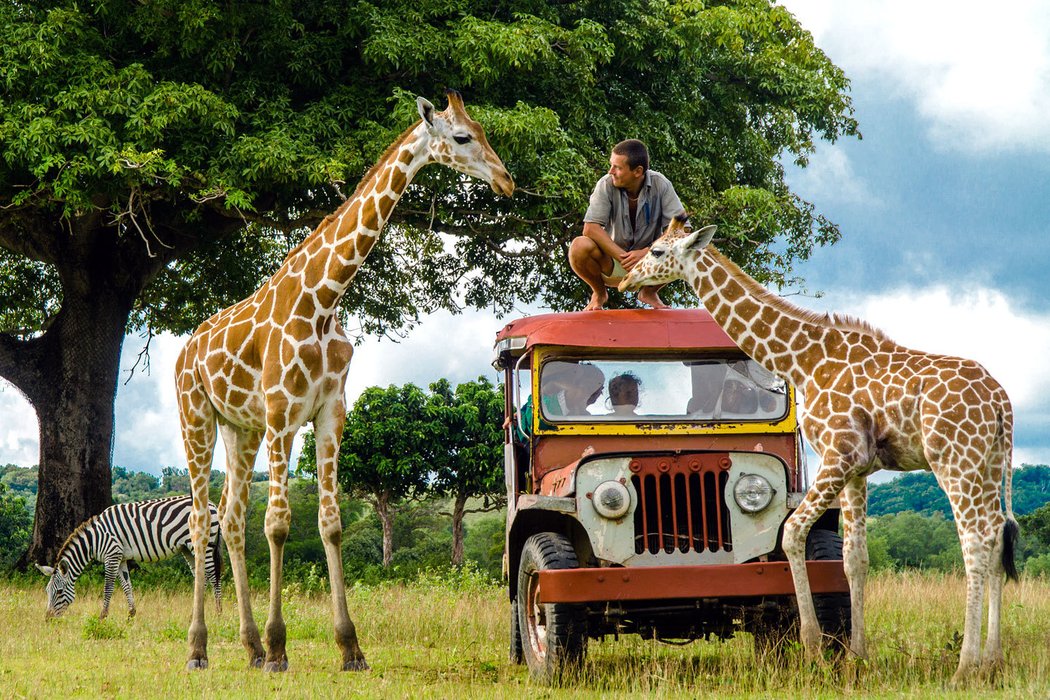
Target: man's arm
x,y
597,233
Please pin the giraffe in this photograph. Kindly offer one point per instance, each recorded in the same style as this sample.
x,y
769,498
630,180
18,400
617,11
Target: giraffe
x,y
869,404
262,368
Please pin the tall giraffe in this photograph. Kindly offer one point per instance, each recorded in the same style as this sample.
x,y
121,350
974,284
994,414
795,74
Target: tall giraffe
x,y
265,366
869,404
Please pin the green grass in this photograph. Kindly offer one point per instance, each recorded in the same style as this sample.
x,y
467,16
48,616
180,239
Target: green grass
x,y
431,640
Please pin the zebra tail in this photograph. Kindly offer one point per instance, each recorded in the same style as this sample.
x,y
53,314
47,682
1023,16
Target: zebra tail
x,y
216,556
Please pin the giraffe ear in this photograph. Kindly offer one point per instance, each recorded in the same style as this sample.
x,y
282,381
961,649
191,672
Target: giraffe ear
x,y
698,240
426,110
45,570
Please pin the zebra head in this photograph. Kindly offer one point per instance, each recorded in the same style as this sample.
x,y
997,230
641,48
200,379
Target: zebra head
x,y
61,589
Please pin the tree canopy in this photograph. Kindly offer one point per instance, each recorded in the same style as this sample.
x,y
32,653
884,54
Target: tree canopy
x,y
158,160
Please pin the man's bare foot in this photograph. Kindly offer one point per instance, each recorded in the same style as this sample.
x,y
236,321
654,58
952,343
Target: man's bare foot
x,y
597,301
648,295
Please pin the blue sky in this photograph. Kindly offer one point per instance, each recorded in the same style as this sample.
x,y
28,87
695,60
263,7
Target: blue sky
x,y
944,207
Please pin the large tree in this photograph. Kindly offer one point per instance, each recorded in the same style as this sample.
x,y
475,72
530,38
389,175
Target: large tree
x,y
157,159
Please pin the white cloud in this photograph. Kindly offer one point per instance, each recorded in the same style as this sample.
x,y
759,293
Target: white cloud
x,y
978,73
830,178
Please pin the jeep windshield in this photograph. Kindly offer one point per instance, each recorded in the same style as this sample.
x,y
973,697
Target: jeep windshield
x,y
660,390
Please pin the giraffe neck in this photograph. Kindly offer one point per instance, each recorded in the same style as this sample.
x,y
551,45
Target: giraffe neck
x,y
781,337
331,255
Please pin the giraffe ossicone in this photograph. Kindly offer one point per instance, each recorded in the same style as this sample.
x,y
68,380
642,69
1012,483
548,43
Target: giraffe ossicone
x,y
869,404
262,368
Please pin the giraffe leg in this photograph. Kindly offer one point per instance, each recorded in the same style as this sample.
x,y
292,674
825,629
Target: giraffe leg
x,y
241,448
328,429
278,519
198,434
977,546
992,658
854,503
829,483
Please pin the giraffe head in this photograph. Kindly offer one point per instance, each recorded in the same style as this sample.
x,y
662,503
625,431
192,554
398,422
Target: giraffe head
x,y
670,257
459,142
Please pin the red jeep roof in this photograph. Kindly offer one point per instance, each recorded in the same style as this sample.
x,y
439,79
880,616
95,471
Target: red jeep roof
x,y
622,328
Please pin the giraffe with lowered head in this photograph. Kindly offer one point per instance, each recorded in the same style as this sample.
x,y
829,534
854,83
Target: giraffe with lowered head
x,y
263,367
869,404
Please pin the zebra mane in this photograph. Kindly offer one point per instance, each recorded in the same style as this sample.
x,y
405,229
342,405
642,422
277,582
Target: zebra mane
x,y
74,536
835,321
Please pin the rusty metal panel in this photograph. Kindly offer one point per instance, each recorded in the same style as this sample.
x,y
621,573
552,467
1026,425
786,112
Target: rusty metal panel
x,y
622,328
685,582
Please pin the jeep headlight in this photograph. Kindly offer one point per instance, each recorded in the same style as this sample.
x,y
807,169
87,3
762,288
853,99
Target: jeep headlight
x,y
753,493
611,499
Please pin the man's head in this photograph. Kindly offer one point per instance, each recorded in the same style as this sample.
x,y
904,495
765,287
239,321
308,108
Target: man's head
x,y
628,163
623,390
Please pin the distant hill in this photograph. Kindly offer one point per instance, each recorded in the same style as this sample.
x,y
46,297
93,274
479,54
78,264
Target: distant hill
x,y
919,492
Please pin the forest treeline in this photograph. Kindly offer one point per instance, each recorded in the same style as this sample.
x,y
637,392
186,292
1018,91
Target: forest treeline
x,y
909,528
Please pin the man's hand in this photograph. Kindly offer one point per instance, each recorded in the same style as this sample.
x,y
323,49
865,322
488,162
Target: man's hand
x,y
631,258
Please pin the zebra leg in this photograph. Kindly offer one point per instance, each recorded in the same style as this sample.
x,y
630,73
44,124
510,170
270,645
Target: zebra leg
x,y
212,572
125,584
328,430
241,448
112,569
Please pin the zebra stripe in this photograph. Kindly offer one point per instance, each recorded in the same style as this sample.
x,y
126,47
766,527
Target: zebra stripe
x,y
145,531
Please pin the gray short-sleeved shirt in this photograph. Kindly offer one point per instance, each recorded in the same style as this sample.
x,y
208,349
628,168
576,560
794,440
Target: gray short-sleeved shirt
x,y
658,203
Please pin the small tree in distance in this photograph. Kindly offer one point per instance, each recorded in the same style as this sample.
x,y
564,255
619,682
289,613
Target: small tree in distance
x,y
384,454
469,457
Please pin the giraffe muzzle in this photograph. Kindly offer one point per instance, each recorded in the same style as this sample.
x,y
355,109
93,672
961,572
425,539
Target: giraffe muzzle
x,y
502,183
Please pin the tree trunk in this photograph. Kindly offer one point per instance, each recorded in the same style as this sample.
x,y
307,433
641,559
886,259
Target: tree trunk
x,y
80,362
69,374
386,516
457,529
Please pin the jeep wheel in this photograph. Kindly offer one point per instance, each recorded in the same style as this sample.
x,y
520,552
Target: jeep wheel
x,y
553,635
516,655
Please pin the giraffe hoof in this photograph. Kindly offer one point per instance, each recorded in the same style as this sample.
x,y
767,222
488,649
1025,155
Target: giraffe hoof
x,y
279,666
257,662
356,665
196,664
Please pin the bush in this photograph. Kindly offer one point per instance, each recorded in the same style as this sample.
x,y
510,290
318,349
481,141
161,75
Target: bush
x,y
1038,566
16,527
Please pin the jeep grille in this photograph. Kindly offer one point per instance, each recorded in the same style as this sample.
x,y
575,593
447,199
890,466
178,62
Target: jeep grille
x,y
681,509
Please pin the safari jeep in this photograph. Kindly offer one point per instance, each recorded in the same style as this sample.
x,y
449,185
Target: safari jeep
x,y
648,486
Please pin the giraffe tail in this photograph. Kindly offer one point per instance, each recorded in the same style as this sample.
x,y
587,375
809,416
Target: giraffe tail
x,y
1011,530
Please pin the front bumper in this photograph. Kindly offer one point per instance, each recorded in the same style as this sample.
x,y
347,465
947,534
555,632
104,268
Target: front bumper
x,y
672,582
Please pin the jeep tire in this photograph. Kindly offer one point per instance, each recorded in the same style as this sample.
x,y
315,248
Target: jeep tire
x,y
553,635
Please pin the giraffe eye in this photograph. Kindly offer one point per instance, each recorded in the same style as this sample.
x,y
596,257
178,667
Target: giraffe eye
x,y
657,252
462,139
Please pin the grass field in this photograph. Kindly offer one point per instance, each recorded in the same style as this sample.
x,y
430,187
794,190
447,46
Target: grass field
x,y
432,639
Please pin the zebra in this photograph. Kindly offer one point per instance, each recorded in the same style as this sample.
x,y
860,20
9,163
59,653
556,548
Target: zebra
x,y
143,531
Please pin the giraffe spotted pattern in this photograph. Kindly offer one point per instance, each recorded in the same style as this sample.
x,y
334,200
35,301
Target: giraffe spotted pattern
x,y
262,368
869,404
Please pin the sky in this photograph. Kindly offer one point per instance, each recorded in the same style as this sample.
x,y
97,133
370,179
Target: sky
x,y
943,205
